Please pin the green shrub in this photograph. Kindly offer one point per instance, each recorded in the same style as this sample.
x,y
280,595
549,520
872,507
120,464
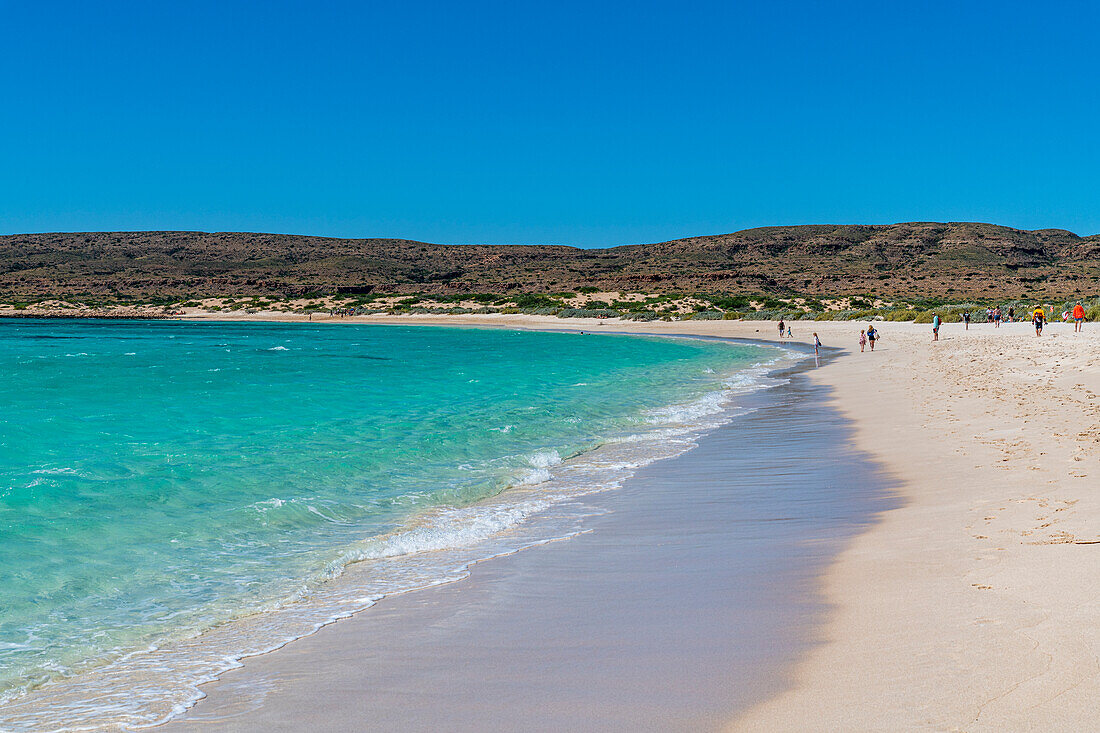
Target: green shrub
x,y
587,313
923,317
704,316
529,300
641,316
727,302
588,289
901,314
764,315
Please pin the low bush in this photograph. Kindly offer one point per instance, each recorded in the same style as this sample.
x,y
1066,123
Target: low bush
x,y
587,313
527,300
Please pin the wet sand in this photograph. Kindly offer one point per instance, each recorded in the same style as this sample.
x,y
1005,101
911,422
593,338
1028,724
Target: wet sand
x,y
687,601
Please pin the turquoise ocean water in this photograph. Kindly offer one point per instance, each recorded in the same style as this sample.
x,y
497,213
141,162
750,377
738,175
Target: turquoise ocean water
x,y
159,480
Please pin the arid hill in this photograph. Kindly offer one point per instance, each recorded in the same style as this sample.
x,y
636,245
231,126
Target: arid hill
x,y
955,260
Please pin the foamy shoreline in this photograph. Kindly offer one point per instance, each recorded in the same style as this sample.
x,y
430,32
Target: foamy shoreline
x,y
973,605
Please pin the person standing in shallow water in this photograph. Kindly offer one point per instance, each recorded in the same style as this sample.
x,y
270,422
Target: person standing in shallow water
x,y
817,344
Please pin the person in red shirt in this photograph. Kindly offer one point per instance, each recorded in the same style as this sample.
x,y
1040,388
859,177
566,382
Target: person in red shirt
x,y
1078,316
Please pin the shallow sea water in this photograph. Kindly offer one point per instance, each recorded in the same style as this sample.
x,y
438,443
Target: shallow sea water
x,y
174,496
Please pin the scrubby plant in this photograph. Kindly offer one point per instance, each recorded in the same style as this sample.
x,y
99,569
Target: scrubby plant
x,y
530,300
727,302
587,313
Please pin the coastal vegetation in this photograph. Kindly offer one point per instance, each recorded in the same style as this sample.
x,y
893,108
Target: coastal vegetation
x,y
587,304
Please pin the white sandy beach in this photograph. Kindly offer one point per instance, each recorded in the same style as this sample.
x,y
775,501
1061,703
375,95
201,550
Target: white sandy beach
x,y
973,606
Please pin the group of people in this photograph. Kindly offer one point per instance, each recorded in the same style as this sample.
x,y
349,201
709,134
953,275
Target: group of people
x,y
868,337
788,333
1038,319
992,315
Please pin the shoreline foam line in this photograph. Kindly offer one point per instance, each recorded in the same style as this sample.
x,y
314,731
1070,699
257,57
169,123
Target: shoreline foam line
x,y
500,525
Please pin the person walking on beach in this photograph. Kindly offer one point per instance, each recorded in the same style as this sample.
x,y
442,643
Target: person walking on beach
x,y
872,336
997,317
781,329
817,344
1038,317
936,327
966,319
862,340
1078,316
789,334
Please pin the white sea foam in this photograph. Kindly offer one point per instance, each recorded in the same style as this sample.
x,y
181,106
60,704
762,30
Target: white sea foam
x,y
544,458
278,348
448,529
263,506
533,477
57,471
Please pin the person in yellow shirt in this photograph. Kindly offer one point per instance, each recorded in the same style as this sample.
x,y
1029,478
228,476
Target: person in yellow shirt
x,y
1078,316
1038,318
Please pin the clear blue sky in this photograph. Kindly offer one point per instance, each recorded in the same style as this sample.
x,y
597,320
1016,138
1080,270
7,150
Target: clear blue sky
x,y
586,123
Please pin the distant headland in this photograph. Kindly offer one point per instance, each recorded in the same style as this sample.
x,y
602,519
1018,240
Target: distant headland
x,y
913,265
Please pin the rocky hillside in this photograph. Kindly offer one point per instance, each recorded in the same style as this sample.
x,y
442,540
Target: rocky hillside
x,y
955,261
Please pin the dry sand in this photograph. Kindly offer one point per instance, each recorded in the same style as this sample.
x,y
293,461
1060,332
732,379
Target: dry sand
x,y
975,605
